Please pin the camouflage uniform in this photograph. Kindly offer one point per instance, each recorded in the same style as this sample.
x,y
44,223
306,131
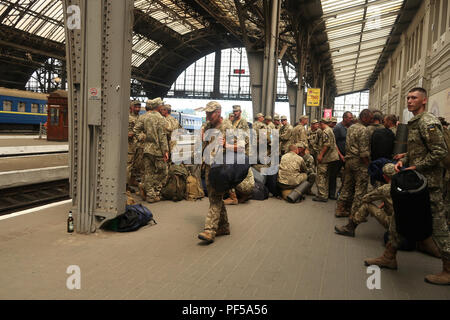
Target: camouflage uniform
x,y
327,140
285,138
171,124
155,145
356,177
292,170
217,217
311,167
314,138
134,161
241,124
426,148
299,134
383,215
245,188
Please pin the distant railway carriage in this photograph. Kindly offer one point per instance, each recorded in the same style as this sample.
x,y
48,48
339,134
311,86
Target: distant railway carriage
x,y
22,109
189,122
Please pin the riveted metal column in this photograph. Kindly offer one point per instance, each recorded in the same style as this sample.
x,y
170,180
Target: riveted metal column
x,y
256,66
98,54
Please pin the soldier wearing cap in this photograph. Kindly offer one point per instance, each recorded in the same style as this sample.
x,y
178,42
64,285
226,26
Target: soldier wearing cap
x,y
172,124
268,121
382,214
150,131
276,122
309,161
299,132
216,222
333,122
285,135
259,123
327,155
314,135
134,148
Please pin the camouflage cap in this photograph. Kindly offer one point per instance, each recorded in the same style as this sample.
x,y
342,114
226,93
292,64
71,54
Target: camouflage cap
x,y
314,121
389,169
301,144
283,118
167,106
259,115
268,118
237,107
212,106
333,119
154,103
303,117
135,102
277,117
326,120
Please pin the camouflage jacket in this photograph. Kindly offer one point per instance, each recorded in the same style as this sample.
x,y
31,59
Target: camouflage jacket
x,y
171,124
328,140
152,125
382,193
357,142
223,127
291,167
299,134
310,163
285,137
426,147
132,141
242,124
313,140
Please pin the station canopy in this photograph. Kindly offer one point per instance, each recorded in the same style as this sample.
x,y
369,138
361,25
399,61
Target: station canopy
x,y
357,32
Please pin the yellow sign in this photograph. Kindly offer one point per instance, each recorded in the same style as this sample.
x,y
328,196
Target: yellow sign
x,y
313,97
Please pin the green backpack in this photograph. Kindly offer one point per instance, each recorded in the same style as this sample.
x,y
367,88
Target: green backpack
x,y
175,188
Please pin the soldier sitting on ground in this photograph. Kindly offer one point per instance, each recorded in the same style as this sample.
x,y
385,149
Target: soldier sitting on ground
x,y
292,171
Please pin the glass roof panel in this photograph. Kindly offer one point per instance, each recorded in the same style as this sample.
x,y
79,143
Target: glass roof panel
x,y
355,55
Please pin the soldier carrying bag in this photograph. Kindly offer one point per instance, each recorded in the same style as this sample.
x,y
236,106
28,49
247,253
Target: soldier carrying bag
x,y
411,201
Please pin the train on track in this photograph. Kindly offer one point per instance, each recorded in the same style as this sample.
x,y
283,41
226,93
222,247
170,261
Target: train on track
x,y
22,110
25,111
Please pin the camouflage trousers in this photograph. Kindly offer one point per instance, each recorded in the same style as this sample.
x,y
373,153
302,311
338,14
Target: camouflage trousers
x,y
370,209
440,233
155,175
245,188
217,213
355,184
135,165
322,179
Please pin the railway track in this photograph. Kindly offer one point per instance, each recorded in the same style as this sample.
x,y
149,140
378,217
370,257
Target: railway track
x,y
26,197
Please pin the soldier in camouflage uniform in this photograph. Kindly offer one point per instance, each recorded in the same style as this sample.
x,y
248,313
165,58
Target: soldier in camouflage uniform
x,y
285,135
244,190
172,124
327,156
382,214
426,148
216,222
134,148
314,135
356,177
269,123
292,171
309,161
299,132
260,128
151,133
276,122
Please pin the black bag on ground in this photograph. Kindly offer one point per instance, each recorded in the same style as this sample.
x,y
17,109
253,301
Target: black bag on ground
x,y
223,177
271,184
260,191
382,144
411,200
135,216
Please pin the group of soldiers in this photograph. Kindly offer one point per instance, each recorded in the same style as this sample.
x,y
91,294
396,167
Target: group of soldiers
x,y
149,147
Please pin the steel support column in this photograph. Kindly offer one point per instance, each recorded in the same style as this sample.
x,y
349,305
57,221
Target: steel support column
x,y
98,56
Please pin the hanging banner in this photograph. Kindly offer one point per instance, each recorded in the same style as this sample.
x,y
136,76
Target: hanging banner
x,y
313,97
327,113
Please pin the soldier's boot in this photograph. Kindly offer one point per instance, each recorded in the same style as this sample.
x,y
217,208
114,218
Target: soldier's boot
x,y
442,278
244,198
207,236
428,246
232,199
223,230
341,209
387,260
348,229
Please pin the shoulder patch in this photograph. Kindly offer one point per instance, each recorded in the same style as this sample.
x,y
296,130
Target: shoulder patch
x,y
431,127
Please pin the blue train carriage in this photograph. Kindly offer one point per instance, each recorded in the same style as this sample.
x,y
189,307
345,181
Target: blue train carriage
x,y
22,108
189,122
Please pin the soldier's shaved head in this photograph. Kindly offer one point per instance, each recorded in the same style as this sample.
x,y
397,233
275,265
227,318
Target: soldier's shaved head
x,y
419,89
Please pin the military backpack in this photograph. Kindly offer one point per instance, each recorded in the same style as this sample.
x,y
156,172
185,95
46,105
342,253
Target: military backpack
x,y
175,188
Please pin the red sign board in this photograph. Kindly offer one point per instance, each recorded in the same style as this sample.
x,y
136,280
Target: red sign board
x,y
239,71
327,113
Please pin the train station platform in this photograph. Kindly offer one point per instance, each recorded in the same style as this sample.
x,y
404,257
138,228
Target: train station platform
x,y
276,250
